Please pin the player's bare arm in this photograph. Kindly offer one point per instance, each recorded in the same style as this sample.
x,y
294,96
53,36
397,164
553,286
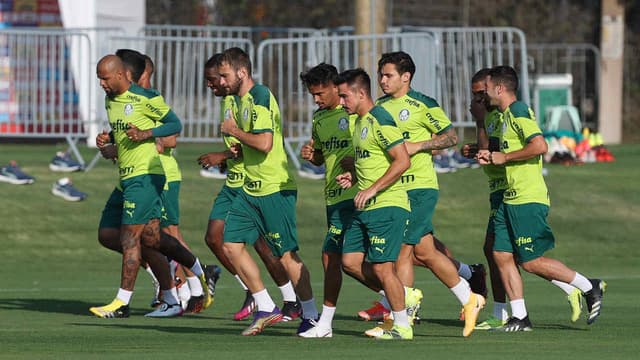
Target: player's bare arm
x,y
535,147
438,142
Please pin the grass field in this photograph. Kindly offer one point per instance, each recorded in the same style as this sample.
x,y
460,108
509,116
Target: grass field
x,y
53,270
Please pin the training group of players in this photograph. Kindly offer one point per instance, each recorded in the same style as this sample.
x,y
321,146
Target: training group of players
x,y
380,189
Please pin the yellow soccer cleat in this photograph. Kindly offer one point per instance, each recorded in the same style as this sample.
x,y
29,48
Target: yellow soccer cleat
x,y
397,333
575,302
116,309
208,299
471,310
380,329
413,300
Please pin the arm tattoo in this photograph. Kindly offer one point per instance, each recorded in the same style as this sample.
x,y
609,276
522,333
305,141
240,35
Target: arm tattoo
x,y
439,142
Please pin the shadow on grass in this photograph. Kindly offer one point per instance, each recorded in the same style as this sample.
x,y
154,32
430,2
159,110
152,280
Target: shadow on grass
x,y
63,306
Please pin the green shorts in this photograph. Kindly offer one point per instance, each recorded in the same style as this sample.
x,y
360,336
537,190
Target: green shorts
x,y
271,216
171,204
112,212
378,233
523,231
338,217
495,199
141,198
423,204
223,202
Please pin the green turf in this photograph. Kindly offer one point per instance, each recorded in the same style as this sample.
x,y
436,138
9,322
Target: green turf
x,y
53,270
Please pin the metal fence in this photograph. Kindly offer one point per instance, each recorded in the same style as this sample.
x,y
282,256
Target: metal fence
x,y
582,61
179,76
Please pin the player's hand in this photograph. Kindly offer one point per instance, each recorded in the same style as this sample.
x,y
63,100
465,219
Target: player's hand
x,y
159,145
348,163
102,139
345,180
236,151
137,135
498,158
307,151
361,198
483,157
212,159
469,150
228,126
109,152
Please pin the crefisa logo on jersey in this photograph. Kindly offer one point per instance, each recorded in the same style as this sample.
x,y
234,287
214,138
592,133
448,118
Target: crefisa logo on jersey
x,y
227,114
245,114
364,132
403,115
343,124
490,128
128,109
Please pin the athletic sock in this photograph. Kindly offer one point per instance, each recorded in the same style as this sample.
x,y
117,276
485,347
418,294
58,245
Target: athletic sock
x,y
465,271
462,291
582,283
288,294
195,286
564,286
518,309
124,295
263,301
326,318
309,309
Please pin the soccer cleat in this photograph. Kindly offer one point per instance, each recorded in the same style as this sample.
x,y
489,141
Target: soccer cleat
x,y
166,310
247,307
212,274
478,280
375,313
64,189
317,332
12,174
261,320
515,324
306,325
63,162
397,333
471,310
291,310
413,299
575,302
593,298
380,329
195,304
208,299
116,309
491,323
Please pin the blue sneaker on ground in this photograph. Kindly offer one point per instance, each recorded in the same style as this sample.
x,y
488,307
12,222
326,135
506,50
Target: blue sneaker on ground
x,y
442,164
306,325
63,162
13,175
310,171
213,172
461,162
64,189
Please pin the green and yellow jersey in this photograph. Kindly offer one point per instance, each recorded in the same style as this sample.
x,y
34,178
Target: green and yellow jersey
x,y
170,165
374,134
265,173
235,167
142,108
524,178
418,117
496,174
332,134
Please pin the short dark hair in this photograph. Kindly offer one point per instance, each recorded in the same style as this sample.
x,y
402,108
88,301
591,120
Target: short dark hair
x,y
214,61
506,76
133,61
480,75
237,59
357,77
403,62
321,74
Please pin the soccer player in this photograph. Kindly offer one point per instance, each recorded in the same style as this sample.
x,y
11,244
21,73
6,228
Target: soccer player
x,y
382,206
488,127
331,143
220,208
425,128
141,180
521,230
268,185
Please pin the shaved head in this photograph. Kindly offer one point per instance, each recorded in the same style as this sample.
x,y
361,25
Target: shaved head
x,y
112,75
